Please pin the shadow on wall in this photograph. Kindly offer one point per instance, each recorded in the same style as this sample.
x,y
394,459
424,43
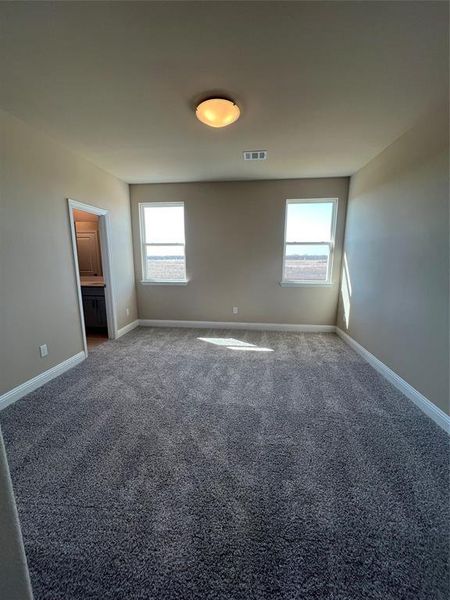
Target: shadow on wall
x,y
346,290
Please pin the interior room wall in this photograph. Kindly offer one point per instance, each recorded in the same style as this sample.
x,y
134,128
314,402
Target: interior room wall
x,y
394,299
38,303
234,252
81,216
87,223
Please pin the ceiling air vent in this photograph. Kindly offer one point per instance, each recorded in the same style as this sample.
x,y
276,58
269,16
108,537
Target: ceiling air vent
x,y
254,154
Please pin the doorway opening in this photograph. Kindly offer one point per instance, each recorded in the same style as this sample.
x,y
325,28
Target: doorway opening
x,y
90,242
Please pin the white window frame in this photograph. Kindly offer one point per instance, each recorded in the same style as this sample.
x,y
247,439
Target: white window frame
x,y
144,244
330,243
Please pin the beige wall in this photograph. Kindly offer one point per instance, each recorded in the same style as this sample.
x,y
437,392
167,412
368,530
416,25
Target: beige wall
x,y
234,248
397,250
38,301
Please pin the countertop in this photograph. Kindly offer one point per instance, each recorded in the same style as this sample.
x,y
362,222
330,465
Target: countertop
x,y
92,281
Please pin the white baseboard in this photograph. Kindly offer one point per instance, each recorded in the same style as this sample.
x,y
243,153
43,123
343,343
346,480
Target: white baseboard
x,y
236,325
123,330
32,384
403,386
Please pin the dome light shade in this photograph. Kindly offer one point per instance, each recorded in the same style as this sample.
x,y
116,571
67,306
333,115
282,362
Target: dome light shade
x,y
217,112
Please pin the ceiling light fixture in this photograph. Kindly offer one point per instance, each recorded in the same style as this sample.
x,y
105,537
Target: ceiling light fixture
x,y
217,112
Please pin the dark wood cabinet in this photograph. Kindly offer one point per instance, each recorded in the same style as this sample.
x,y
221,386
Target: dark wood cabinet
x,y
94,307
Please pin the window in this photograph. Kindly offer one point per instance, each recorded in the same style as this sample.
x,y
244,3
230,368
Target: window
x,y
309,241
162,242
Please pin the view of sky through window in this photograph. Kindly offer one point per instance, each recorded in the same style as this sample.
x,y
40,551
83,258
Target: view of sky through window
x,y
164,224
309,222
164,258
308,241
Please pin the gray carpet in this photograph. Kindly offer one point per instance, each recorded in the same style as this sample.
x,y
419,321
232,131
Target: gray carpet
x,y
169,468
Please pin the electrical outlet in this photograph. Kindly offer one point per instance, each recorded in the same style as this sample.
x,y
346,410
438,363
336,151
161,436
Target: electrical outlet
x,y
43,350
127,311
235,310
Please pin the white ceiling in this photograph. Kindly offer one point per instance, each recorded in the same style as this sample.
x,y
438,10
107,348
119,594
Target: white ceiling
x,y
324,87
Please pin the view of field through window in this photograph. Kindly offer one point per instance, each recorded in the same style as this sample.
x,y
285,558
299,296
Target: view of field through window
x,y
307,222
170,268
306,268
164,242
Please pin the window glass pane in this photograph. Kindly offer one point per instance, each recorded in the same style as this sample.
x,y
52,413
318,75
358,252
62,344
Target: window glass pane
x,y
309,222
164,224
165,263
306,262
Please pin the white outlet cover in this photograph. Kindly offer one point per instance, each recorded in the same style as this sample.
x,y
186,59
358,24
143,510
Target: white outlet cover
x,y
235,310
43,350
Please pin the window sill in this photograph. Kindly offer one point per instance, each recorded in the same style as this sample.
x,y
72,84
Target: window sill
x,y
148,282
306,284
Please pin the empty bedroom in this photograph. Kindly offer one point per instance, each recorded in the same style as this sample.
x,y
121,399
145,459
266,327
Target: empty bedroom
x,y
224,300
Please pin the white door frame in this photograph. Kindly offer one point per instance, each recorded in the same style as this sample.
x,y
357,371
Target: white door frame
x,y
105,247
